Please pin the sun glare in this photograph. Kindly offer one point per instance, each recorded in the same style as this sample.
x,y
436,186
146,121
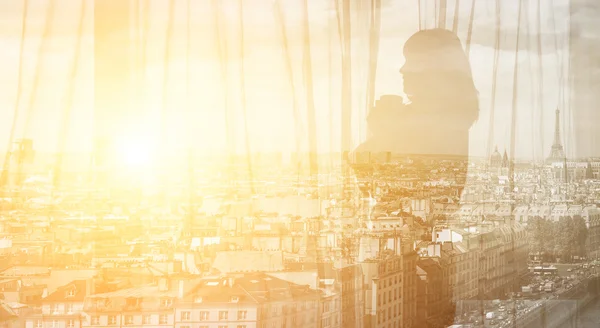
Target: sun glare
x,y
137,153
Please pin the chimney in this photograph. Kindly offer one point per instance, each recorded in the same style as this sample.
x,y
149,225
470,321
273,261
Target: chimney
x,y
90,286
181,289
163,284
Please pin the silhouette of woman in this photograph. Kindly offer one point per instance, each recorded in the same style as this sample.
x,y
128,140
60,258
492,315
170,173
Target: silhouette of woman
x,y
442,104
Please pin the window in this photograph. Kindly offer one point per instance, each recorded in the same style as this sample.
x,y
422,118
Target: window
x,y
241,326
185,316
53,309
223,315
54,324
198,299
71,323
39,324
166,302
184,327
162,319
222,326
71,293
69,308
203,315
242,315
129,320
95,320
147,319
112,320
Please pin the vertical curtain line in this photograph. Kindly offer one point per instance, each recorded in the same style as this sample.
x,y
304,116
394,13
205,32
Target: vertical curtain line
x,y
39,61
69,94
375,30
189,109
470,30
38,72
515,97
309,88
442,15
222,53
420,15
541,71
330,98
166,62
532,84
490,143
456,16
145,30
567,99
13,127
346,78
562,85
165,94
436,13
188,40
243,96
280,19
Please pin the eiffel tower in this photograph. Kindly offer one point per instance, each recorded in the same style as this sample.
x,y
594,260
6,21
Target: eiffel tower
x,y
557,154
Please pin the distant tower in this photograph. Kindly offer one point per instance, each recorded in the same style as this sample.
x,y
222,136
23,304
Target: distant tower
x,y
23,155
557,154
496,159
505,162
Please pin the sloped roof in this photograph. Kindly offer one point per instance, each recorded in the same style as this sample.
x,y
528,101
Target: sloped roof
x,y
6,313
248,261
78,287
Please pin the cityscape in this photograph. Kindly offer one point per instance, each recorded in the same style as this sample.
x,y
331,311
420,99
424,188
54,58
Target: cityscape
x,y
408,244
399,224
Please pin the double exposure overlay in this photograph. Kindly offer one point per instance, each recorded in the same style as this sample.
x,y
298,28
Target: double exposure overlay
x,y
299,163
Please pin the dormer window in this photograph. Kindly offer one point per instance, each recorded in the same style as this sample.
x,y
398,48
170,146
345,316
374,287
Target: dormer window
x,y
235,299
166,302
198,299
71,293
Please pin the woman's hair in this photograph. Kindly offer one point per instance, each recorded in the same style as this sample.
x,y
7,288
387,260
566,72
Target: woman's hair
x,y
449,73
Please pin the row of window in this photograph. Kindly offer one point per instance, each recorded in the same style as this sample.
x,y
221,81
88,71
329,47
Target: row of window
x,y
54,324
164,318
55,308
238,326
205,315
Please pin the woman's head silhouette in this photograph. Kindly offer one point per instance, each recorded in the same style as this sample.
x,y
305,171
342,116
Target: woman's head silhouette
x,y
437,77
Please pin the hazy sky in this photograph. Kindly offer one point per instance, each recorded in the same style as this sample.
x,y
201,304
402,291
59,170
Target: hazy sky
x,y
269,98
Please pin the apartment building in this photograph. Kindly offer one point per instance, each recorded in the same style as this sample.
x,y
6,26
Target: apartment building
x,y
145,306
483,260
409,282
383,295
62,308
248,301
253,300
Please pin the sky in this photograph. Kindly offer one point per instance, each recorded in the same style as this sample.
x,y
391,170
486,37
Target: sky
x,y
270,107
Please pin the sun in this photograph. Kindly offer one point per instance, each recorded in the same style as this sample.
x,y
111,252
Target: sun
x,y
137,152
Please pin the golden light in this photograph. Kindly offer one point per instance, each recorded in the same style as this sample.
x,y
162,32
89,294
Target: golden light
x,y
138,152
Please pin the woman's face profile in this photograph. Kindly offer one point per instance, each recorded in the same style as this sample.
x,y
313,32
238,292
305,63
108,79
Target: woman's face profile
x,y
416,76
